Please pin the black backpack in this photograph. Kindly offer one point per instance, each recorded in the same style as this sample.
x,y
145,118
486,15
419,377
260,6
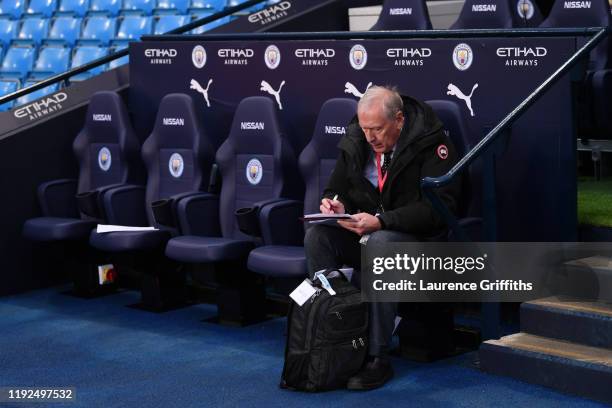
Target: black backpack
x,y
327,338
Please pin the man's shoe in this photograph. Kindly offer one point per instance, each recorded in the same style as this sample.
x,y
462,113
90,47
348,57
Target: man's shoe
x,y
374,374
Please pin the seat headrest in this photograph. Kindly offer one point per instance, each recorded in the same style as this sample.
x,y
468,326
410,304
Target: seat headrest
x,y
255,128
485,14
106,118
583,13
176,124
403,15
334,116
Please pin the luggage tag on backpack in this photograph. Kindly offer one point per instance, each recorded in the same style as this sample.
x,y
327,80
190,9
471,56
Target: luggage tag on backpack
x,y
303,292
325,283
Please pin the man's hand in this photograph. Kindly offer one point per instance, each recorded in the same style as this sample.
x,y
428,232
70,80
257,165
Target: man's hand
x,y
363,223
331,206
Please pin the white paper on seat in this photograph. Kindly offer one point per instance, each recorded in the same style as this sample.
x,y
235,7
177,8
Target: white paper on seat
x,y
102,228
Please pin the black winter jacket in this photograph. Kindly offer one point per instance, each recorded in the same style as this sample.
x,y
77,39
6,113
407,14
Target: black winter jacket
x,y
404,207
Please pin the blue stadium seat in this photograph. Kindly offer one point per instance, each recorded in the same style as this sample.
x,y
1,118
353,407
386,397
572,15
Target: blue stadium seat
x,y
8,86
143,6
166,23
248,10
51,60
45,8
132,27
75,7
283,254
120,61
8,31
215,5
107,152
178,6
454,121
595,114
110,7
257,165
65,29
27,98
403,15
18,61
84,54
99,29
493,14
12,8
33,30
209,26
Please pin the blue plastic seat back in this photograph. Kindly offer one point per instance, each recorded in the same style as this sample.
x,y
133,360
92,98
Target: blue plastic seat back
x,y
591,13
43,7
251,9
76,7
12,8
119,61
133,27
215,5
34,30
403,15
145,6
111,7
179,6
84,54
8,31
489,14
18,61
65,29
168,22
7,86
100,29
527,14
178,155
256,162
107,149
32,96
52,60
318,159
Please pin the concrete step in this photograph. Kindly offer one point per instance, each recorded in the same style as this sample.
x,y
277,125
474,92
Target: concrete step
x,y
585,323
568,367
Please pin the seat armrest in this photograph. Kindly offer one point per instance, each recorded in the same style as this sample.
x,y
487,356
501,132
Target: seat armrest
x,y
280,222
125,205
198,214
57,198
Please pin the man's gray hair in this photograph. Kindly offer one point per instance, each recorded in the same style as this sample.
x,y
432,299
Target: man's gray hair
x,y
387,95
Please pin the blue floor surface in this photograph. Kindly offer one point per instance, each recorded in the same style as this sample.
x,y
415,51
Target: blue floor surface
x,y
120,357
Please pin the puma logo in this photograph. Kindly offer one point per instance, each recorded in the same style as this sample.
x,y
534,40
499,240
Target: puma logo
x,y
453,90
198,88
268,88
351,89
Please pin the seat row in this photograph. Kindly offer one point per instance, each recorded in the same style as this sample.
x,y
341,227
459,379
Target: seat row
x,y
100,30
16,9
252,219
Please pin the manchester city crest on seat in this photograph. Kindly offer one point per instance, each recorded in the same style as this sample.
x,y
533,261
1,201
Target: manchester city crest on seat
x,y
254,171
176,165
104,159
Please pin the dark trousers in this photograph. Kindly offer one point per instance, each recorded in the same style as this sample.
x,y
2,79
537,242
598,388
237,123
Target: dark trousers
x,y
332,247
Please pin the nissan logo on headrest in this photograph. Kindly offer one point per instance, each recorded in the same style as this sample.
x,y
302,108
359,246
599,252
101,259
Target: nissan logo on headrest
x,y
252,126
102,117
173,121
335,130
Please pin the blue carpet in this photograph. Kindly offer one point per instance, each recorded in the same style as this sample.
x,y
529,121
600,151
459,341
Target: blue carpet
x,y
120,357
